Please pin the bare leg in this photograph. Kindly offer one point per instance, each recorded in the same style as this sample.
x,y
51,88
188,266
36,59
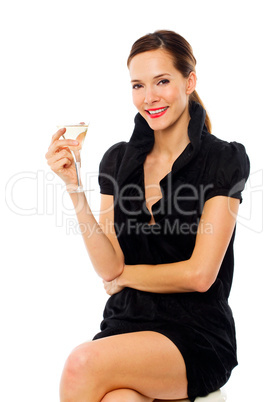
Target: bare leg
x,y
129,395
125,395
146,362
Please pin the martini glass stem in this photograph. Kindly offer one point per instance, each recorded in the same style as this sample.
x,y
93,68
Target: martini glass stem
x,y
77,162
78,173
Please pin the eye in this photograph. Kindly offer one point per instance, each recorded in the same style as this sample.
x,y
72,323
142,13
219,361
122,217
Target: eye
x,y
163,82
136,86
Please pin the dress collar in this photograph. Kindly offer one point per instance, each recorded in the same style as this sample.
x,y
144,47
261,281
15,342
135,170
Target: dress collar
x,y
142,141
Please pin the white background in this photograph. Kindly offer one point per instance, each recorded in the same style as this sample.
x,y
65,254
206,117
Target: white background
x,y
66,60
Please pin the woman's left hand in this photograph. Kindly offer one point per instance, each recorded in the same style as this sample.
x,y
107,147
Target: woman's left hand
x,y
113,287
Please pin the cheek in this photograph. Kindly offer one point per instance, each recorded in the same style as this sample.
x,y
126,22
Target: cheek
x,y
173,94
137,98
177,98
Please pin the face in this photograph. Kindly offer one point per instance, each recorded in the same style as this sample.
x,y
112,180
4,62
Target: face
x,y
160,92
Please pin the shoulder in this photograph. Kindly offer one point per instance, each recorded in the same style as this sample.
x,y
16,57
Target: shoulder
x,y
218,152
109,166
112,156
114,151
227,166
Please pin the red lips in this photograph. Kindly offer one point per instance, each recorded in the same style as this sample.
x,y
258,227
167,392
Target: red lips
x,y
156,114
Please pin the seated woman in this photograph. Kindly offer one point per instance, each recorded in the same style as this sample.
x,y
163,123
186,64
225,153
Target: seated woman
x,y
164,243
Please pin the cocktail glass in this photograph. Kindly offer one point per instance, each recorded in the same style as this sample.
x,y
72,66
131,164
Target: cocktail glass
x,y
76,132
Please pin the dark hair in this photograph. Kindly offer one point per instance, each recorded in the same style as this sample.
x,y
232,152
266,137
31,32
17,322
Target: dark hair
x,y
180,50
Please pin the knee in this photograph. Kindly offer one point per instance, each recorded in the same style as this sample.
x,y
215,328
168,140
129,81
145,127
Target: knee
x,y
81,365
83,358
125,395
115,396
110,397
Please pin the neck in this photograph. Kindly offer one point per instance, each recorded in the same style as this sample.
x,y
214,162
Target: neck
x,y
174,139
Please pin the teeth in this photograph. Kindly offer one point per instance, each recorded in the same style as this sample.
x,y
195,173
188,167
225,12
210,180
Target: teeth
x,y
157,111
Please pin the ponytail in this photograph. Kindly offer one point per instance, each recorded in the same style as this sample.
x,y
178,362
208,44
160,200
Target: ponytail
x,y
195,97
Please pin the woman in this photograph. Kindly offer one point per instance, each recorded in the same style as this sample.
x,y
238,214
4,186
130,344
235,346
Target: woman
x,y
164,243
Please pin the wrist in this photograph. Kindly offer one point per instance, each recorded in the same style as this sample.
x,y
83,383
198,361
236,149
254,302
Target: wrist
x,y
122,279
72,188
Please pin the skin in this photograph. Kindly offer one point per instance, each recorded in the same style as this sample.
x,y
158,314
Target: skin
x,y
156,83
111,369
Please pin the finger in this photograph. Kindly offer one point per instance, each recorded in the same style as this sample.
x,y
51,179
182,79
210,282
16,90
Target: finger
x,y
81,137
58,134
60,165
64,153
60,144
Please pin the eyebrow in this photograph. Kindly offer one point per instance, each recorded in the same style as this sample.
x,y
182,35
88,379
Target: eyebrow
x,y
157,76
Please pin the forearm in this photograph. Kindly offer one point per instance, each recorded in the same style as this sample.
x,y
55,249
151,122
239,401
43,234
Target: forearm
x,y
104,258
178,277
199,272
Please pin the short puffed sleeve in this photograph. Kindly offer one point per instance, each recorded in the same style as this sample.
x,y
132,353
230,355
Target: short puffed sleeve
x,y
227,170
108,168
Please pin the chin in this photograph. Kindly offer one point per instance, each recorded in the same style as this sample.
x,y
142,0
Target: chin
x,y
157,125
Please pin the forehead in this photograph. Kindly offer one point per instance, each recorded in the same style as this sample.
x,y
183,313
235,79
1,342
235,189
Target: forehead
x,y
151,63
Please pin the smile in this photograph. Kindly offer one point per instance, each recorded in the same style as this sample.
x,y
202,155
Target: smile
x,y
153,113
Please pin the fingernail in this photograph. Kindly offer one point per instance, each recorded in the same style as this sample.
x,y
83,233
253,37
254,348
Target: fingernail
x,y
75,142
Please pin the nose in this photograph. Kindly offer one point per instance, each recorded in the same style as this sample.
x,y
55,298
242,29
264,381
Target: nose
x,y
151,96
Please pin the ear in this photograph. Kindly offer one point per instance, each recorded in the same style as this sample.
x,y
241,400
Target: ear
x,y
191,83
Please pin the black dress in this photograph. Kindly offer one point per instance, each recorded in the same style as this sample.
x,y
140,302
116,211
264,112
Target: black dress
x,y
201,325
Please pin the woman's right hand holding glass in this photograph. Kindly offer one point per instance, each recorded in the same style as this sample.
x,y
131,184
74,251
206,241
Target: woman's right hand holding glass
x,y
60,158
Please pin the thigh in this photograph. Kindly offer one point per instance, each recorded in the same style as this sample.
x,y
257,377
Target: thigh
x,y
147,362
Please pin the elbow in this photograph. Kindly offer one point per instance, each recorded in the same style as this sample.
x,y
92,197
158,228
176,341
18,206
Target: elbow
x,y
202,281
202,273
113,274
203,286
